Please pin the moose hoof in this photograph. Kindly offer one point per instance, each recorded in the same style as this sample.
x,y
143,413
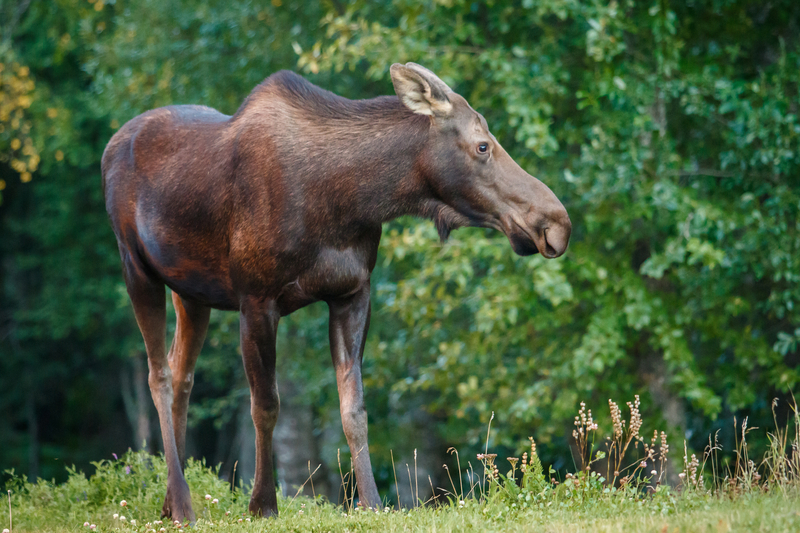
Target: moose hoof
x,y
263,506
178,503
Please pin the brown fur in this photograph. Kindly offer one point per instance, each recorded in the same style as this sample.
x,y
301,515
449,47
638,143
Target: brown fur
x,y
281,205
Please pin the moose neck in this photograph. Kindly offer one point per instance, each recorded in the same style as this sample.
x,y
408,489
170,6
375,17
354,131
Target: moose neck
x,y
373,160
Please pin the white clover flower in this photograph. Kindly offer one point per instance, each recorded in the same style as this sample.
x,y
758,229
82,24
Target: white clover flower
x,y
208,496
5,530
653,472
122,518
215,500
300,511
133,522
86,524
123,503
643,464
240,520
115,516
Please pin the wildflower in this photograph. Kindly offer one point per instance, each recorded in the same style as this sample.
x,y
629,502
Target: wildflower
x,y
616,419
123,503
215,500
513,461
115,516
163,529
643,464
208,496
93,527
177,522
240,520
133,522
158,522
122,518
664,447
616,473
636,417
86,524
653,472
385,509
682,475
300,511
5,531
227,513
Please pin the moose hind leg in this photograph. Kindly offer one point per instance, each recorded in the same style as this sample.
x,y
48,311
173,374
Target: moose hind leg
x,y
258,327
190,332
149,306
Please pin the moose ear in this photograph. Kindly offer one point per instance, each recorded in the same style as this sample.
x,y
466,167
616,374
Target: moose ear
x,y
421,90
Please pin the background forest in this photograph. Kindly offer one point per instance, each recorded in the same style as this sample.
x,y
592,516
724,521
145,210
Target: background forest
x,y
669,130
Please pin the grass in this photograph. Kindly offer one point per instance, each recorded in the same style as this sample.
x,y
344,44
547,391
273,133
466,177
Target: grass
x,y
126,494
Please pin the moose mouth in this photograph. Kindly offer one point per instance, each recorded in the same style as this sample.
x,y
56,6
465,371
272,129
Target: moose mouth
x,y
522,246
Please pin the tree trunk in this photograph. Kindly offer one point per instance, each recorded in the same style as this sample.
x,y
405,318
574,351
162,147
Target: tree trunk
x,y
136,397
33,435
418,465
653,371
246,467
296,446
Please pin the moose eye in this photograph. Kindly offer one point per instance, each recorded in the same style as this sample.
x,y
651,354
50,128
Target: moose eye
x,y
483,148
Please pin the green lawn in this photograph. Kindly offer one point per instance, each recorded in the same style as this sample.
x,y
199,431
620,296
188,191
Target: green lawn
x,y
533,505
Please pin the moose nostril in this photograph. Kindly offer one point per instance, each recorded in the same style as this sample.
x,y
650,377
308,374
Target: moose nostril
x,y
548,251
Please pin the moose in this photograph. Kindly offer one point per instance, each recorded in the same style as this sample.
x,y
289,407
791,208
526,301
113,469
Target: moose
x,y
281,205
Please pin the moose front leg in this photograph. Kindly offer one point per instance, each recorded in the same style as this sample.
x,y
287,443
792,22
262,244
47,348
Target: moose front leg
x,y
349,321
258,328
